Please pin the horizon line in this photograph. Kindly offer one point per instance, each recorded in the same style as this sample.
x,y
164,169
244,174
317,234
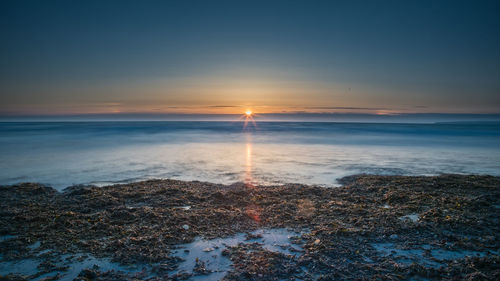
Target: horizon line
x,y
8,115
262,117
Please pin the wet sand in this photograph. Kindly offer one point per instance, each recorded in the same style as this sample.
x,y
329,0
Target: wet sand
x,y
387,227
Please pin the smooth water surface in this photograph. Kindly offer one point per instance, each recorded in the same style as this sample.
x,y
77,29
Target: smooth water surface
x,y
61,154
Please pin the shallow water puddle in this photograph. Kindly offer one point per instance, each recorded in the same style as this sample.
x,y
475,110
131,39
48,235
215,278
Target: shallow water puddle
x,y
425,254
209,252
34,246
7,237
185,208
410,217
71,266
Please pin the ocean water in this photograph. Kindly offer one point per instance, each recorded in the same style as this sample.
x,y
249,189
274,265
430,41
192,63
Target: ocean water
x,y
61,154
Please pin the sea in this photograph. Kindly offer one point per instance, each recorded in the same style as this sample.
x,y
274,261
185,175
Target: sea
x,y
62,154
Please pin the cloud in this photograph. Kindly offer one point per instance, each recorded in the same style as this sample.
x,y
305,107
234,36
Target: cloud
x,y
345,108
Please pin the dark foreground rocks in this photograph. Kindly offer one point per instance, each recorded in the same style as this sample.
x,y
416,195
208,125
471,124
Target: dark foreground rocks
x,y
373,227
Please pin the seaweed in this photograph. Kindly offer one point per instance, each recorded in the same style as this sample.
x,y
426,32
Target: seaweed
x,y
372,227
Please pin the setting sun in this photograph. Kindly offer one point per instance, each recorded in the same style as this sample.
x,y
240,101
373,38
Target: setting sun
x,y
312,132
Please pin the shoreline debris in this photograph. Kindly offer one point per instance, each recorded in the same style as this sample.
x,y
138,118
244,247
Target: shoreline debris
x,y
394,227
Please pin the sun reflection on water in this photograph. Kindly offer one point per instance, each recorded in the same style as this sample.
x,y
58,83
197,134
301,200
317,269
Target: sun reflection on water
x,y
248,163
252,210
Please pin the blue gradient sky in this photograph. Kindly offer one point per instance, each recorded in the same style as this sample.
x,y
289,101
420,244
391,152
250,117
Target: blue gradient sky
x,y
223,57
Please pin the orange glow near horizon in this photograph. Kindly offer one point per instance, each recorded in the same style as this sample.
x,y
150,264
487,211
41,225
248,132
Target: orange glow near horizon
x,y
216,109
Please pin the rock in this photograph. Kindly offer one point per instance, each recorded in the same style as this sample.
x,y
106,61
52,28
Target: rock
x,y
88,273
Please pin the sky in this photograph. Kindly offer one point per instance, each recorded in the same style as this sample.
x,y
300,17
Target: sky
x,y
225,57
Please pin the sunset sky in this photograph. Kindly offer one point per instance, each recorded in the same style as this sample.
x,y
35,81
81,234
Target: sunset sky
x,y
224,57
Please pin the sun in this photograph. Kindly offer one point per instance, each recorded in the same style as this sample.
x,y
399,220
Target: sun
x,y
248,118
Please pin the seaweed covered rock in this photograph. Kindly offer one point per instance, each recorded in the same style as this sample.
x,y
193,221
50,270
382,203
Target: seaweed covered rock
x,y
393,227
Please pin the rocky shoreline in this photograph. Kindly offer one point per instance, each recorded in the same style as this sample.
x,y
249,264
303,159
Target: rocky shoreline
x,y
385,227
